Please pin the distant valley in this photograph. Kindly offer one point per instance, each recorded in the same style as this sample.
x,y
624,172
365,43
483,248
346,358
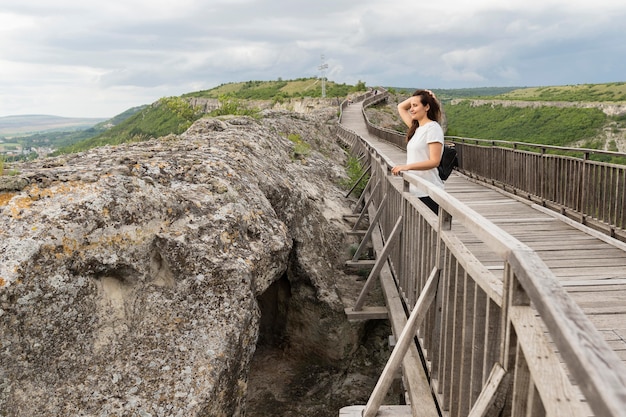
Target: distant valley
x,y
27,124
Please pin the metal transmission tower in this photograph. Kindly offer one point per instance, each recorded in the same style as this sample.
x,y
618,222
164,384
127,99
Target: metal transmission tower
x,y
323,67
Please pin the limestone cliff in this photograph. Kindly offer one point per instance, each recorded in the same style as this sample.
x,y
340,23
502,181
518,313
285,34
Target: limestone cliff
x,y
129,275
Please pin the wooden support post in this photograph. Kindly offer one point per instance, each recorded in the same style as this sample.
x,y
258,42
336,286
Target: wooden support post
x,y
361,263
406,338
380,261
491,399
370,229
363,194
505,325
366,206
385,411
367,313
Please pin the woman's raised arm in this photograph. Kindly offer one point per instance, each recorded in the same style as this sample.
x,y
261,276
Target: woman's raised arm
x,y
403,109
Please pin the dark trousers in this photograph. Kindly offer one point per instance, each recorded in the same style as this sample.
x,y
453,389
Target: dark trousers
x,y
431,204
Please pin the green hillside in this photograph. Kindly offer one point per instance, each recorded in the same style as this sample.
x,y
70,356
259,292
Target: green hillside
x,y
611,92
173,115
542,125
167,115
447,94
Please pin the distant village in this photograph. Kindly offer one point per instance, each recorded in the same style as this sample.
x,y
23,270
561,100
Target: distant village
x,y
27,137
12,150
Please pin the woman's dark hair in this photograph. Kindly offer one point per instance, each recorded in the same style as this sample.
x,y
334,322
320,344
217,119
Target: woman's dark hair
x,y
433,113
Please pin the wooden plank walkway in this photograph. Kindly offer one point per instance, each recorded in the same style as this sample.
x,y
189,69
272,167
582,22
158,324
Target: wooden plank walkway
x,y
589,265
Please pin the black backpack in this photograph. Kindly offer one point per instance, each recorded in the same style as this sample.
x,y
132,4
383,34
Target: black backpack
x,y
448,162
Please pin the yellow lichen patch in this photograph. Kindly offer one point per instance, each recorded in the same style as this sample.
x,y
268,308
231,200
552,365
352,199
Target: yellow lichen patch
x,y
35,192
67,187
63,188
5,198
18,204
2,282
22,202
69,246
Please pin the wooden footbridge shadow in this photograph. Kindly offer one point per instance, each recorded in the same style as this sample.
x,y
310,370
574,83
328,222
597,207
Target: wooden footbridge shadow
x,y
512,300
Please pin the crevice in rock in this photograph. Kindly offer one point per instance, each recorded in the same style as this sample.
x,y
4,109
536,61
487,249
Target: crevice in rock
x,y
274,306
160,270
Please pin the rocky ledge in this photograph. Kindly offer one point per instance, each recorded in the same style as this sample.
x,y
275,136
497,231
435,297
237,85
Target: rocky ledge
x,y
130,276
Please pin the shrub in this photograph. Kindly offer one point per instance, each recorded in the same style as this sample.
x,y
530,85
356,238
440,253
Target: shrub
x,y
230,105
355,171
301,148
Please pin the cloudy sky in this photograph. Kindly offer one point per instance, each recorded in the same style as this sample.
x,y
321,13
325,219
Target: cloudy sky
x,y
79,58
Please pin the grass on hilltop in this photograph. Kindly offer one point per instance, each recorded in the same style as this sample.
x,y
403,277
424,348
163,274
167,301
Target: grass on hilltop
x,y
611,92
279,90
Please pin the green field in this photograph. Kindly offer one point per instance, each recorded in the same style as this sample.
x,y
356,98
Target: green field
x,y
9,146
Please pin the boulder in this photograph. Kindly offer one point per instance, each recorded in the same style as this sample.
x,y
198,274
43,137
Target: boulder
x,y
130,276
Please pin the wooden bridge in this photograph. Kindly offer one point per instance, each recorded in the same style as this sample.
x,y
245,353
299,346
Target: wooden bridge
x,y
510,302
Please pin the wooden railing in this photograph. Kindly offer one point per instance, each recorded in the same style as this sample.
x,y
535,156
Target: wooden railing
x,y
487,333
592,193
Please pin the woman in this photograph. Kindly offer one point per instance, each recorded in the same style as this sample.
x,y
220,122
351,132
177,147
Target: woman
x,y
421,113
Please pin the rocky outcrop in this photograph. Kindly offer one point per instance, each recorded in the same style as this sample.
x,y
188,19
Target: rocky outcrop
x,y
130,275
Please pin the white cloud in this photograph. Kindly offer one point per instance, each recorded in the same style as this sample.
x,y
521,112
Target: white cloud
x,y
113,55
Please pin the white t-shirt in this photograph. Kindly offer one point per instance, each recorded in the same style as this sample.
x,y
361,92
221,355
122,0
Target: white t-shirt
x,y
417,151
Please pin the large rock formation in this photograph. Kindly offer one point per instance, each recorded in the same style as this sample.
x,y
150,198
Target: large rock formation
x,y
130,275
